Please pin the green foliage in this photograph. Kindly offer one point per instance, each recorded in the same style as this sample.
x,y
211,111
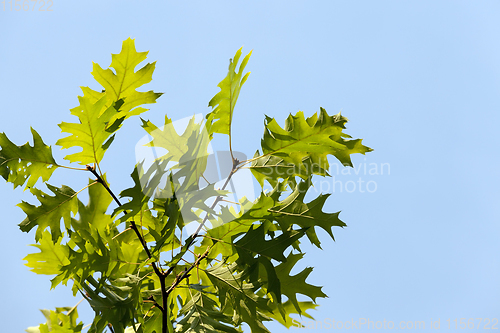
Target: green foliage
x,y
50,212
19,165
132,259
63,320
301,148
51,258
219,120
89,133
101,114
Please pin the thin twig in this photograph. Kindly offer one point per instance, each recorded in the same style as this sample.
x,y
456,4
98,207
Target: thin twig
x,y
152,299
185,273
133,226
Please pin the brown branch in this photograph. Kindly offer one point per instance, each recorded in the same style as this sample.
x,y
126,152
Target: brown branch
x,y
219,198
152,299
185,273
133,226
161,274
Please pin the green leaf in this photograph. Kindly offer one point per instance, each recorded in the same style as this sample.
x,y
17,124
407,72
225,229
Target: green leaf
x,y
93,217
223,103
273,169
59,321
51,258
50,212
313,138
232,291
190,151
144,187
89,133
255,241
89,256
164,227
273,284
229,282
123,82
118,311
201,315
102,113
288,309
97,248
291,285
26,164
293,210
224,229
154,322
168,138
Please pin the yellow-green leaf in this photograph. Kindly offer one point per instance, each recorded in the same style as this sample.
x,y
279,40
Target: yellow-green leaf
x,y
50,212
51,258
89,133
315,137
219,120
26,164
123,82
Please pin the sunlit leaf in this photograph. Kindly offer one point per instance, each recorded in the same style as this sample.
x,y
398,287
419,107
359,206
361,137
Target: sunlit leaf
x,y
305,144
291,285
50,259
89,133
52,210
124,80
223,103
26,164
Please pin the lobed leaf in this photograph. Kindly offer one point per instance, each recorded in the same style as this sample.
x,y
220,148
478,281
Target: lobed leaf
x,y
273,169
63,320
101,114
50,259
294,211
234,292
90,133
223,103
255,241
296,284
302,146
26,164
201,315
123,82
50,212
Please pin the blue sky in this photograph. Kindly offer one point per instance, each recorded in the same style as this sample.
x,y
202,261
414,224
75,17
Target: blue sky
x,y
418,80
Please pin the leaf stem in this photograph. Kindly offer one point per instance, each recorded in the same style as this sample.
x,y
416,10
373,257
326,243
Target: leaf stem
x,y
161,275
152,299
185,273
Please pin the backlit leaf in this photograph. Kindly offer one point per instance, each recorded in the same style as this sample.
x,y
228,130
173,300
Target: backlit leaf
x,y
201,315
50,212
26,164
223,103
123,82
291,285
313,138
50,259
255,241
89,133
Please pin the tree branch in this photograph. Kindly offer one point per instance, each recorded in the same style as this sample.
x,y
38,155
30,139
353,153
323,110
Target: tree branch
x,y
133,226
185,273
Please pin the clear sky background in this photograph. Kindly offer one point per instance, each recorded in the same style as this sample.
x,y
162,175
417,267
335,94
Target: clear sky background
x,y
418,80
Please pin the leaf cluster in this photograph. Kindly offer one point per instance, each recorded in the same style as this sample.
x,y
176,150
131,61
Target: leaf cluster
x,y
131,257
